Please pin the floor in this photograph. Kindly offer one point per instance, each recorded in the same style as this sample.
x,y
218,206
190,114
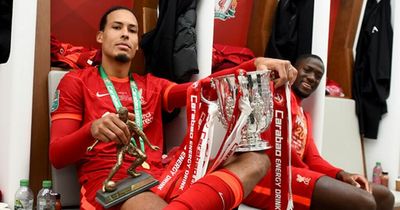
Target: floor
x,y
244,207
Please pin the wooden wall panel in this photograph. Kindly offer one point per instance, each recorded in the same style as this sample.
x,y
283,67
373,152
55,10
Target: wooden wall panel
x,y
340,56
144,11
261,25
39,164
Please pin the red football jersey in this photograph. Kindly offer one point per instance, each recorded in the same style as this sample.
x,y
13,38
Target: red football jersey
x,y
82,95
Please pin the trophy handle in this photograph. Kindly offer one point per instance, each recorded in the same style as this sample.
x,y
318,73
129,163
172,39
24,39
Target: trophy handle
x,y
208,102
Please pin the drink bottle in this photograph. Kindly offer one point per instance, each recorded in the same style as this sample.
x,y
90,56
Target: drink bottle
x,y
376,173
23,196
46,200
385,178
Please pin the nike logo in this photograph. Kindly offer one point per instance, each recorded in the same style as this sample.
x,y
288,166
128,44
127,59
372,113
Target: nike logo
x,y
375,29
99,95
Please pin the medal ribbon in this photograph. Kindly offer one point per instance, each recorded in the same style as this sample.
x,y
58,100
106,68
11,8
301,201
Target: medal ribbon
x,y
117,103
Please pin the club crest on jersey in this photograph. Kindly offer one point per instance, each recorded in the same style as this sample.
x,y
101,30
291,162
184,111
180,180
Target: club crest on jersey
x,y
225,9
195,84
56,101
302,179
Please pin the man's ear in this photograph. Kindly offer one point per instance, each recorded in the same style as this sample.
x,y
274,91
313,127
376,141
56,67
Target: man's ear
x,y
99,37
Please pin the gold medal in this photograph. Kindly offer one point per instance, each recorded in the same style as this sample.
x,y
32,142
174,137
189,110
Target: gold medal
x,y
145,165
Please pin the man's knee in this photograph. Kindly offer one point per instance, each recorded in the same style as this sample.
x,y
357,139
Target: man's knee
x,y
362,200
383,197
388,198
366,201
333,194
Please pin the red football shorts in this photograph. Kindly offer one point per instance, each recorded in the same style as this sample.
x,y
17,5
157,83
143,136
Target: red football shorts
x,y
303,182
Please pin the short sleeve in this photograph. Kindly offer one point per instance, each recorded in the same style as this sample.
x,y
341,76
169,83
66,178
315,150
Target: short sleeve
x,y
68,99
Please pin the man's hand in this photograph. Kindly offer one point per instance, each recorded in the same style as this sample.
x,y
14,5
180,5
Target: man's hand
x,y
153,147
355,180
111,128
286,72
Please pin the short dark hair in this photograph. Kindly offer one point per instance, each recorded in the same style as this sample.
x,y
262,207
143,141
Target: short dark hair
x,y
305,56
103,20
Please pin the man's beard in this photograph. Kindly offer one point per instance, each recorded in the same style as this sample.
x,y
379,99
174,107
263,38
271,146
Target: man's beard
x,y
299,93
122,58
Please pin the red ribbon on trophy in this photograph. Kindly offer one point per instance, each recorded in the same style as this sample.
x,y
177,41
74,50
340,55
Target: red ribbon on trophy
x,y
280,156
178,175
235,123
191,161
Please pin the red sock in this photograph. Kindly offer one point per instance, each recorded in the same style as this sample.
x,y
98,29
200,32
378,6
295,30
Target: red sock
x,y
218,190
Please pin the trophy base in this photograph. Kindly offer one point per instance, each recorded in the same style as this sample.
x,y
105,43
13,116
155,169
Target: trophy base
x,y
126,188
258,146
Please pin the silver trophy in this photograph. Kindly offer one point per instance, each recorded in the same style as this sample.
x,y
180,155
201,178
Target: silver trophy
x,y
255,87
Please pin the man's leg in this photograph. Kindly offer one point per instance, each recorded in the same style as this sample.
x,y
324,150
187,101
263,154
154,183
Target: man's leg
x,y
383,197
250,168
303,184
221,187
225,189
332,194
108,184
144,201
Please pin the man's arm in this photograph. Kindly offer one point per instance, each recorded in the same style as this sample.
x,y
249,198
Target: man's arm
x,y
312,156
284,70
319,164
176,96
68,141
316,163
354,179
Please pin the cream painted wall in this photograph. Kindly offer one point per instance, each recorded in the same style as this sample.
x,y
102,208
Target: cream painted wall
x,y
16,89
315,103
386,148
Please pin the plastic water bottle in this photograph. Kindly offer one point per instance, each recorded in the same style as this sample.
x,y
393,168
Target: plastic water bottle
x,y
23,196
46,200
376,173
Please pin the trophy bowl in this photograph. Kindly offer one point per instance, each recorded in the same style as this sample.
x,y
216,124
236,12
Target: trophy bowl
x,y
255,87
